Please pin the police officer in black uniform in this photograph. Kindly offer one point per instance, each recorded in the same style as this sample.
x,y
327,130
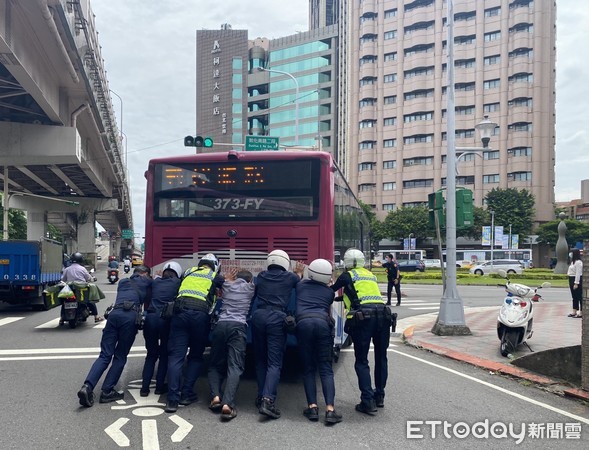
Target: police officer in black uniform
x,y
190,328
315,333
156,330
393,278
368,319
273,290
117,338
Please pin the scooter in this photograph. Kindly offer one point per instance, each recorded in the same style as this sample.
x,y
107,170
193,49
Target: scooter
x,y
516,317
127,269
112,275
73,310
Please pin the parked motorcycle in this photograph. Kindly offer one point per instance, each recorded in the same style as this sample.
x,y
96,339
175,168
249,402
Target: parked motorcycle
x,y
516,317
112,275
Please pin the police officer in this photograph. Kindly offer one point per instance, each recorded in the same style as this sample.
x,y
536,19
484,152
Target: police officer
x,y
368,319
117,338
315,333
190,328
393,278
273,289
156,330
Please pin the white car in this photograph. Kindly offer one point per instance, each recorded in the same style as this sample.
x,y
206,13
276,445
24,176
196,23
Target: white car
x,y
432,263
509,265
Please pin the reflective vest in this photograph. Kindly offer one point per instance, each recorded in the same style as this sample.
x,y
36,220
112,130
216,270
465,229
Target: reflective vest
x,y
197,283
365,286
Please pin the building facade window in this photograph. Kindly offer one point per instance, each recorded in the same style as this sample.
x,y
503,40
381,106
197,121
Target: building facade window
x,y
463,134
491,107
494,154
520,151
520,176
521,78
389,13
390,56
491,179
464,86
465,16
366,145
520,126
367,59
366,187
367,81
391,164
417,139
414,204
388,207
421,93
465,40
493,12
492,84
389,121
493,36
418,116
413,184
390,34
390,100
367,102
366,166
388,143
464,63
490,60
389,186
466,179
521,101
464,110
419,71
417,49
419,161
367,123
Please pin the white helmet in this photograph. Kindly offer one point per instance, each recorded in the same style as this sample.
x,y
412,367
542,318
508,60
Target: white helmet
x,y
320,270
173,266
210,260
278,258
353,258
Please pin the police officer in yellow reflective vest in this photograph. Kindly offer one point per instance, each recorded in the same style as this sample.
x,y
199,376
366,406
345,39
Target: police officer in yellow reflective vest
x,y
190,328
368,319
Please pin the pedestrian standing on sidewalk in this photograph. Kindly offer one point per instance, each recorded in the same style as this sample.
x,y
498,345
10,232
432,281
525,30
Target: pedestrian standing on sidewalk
x,y
393,278
228,342
575,274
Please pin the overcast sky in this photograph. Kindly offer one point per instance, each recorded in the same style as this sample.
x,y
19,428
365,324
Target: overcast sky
x,y
150,55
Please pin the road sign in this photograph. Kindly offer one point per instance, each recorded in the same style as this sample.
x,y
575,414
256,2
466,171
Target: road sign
x,y
127,234
256,143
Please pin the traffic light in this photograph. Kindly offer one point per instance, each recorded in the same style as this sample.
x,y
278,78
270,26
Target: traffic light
x,y
198,141
437,205
464,209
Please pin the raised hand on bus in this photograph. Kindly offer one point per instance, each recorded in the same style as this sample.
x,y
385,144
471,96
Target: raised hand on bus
x,y
299,268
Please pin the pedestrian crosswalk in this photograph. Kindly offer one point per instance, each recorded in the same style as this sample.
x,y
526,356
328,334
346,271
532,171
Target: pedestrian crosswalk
x,y
53,323
420,305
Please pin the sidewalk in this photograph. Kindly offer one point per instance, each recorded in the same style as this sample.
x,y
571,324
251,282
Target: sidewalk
x,y
552,329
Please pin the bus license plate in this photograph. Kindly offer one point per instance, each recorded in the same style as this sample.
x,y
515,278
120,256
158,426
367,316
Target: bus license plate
x,y
70,305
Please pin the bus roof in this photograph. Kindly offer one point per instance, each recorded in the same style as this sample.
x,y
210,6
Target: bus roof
x,y
243,156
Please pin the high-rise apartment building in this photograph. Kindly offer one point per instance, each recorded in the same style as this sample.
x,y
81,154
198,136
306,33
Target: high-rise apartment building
x,y
504,52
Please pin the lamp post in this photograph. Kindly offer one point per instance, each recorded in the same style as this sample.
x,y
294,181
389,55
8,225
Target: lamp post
x,y
450,320
296,99
509,245
492,236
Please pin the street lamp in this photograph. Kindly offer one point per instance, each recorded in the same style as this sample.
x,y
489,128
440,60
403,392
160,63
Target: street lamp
x,y
450,320
296,97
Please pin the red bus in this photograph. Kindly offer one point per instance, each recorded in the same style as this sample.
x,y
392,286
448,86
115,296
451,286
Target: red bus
x,y
242,205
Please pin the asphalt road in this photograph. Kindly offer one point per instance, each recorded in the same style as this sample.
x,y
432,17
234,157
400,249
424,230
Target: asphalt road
x,y
41,370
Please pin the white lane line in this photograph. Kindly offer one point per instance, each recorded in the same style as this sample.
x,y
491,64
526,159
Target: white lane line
x,y
100,325
351,349
8,320
498,388
56,357
426,307
51,324
420,303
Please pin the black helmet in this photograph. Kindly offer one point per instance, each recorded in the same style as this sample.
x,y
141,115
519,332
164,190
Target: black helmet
x,y
77,258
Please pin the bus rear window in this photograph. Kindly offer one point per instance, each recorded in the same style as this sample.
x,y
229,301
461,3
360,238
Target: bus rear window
x,y
275,190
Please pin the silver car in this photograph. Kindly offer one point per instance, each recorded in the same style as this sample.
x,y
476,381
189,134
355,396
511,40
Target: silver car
x,y
509,265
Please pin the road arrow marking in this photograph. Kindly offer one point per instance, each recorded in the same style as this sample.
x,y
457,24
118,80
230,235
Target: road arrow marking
x,y
8,320
115,433
184,428
149,432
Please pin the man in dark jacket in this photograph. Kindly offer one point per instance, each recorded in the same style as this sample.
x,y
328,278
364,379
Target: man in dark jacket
x,y
117,338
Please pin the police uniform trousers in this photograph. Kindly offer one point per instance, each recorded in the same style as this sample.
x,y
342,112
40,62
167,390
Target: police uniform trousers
x,y
315,342
155,332
228,344
397,287
373,328
188,328
269,338
118,337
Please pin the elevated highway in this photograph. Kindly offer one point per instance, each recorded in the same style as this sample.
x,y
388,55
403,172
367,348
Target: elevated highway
x,y
61,156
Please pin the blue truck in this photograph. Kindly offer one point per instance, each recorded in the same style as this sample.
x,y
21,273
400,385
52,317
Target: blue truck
x,y
27,268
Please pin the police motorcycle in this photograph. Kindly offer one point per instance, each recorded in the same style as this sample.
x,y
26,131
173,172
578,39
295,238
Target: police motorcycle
x,y
516,316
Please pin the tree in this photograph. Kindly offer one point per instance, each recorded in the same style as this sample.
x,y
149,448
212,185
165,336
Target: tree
x,y
17,223
404,221
576,231
512,206
376,226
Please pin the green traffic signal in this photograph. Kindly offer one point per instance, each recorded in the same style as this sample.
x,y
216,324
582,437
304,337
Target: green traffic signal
x,y
208,142
198,141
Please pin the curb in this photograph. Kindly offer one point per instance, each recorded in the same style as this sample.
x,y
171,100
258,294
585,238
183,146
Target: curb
x,y
409,338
